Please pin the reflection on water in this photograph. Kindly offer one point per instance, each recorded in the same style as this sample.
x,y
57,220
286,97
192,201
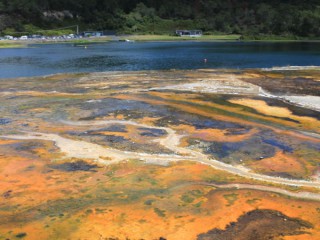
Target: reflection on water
x,y
55,58
96,63
20,60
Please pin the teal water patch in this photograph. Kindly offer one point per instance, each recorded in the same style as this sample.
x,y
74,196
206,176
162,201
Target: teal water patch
x,y
276,143
251,149
152,132
5,121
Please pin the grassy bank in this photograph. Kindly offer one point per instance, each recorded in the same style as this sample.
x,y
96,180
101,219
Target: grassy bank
x,y
151,37
7,44
231,37
88,40
265,37
25,43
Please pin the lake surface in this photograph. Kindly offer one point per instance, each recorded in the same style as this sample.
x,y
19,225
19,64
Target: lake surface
x,y
44,59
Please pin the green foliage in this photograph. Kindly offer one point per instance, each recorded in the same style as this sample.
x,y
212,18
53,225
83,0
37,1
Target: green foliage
x,y
57,32
159,212
286,18
21,235
31,29
11,44
9,31
231,198
187,198
149,202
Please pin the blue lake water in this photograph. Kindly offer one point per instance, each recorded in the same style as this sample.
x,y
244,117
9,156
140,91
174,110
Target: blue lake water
x,y
47,59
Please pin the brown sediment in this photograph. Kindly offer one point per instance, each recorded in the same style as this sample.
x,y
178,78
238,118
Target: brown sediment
x,y
66,180
259,224
136,218
264,108
86,150
212,134
282,83
306,122
40,94
194,110
280,163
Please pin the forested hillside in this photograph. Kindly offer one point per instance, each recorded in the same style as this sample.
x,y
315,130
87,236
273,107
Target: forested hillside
x,y
248,17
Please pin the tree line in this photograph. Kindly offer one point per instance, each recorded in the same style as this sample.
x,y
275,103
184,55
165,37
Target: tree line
x,y
247,17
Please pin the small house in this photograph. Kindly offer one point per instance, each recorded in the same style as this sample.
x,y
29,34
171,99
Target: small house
x,y
92,34
190,33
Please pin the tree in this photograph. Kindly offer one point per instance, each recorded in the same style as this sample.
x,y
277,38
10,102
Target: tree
x,y
241,16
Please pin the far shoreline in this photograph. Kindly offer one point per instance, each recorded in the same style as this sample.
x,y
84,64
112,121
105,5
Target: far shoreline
x,y
146,38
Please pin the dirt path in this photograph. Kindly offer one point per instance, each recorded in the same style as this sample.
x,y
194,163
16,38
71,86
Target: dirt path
x,y
236,186
86,150
304,195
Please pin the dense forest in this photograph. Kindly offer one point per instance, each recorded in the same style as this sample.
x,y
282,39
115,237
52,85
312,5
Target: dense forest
x,y
247,17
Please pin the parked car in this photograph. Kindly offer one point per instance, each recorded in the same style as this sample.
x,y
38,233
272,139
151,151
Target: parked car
x,y
8,37
35,36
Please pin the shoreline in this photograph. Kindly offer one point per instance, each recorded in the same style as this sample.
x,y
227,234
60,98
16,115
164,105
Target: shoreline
x,y
275,69
147,38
